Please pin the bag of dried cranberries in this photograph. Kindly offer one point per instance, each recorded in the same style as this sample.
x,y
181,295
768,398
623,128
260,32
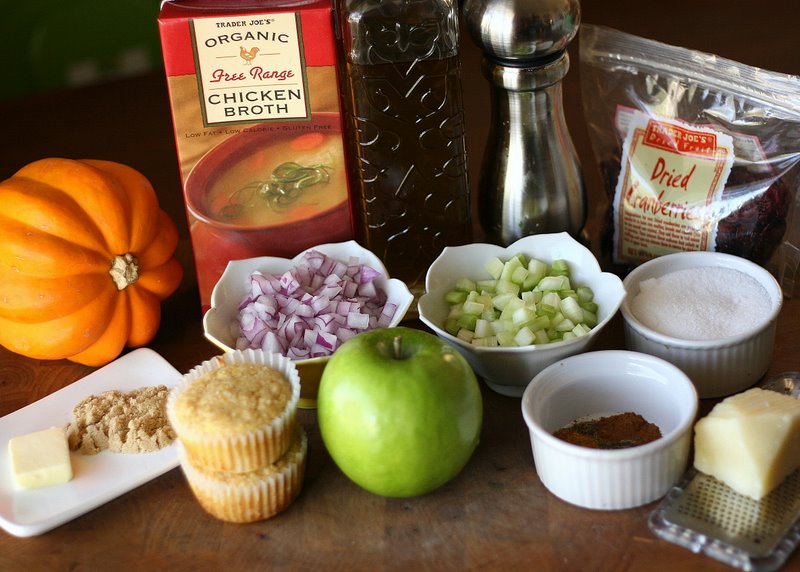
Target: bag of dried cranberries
x,y
696,152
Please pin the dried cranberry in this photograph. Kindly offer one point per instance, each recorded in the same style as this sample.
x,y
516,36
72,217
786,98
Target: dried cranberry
x,y
752,229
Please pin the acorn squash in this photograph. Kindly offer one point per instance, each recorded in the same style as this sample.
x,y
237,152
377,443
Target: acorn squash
x,y
86,257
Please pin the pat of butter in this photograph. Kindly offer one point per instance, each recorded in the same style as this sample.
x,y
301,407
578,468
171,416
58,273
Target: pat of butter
x,y
750,441
40,459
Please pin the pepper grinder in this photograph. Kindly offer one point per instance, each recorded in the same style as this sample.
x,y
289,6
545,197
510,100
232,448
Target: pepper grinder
x,y
530,180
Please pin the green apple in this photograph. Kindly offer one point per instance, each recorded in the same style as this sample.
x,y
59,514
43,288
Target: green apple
x,y
399,410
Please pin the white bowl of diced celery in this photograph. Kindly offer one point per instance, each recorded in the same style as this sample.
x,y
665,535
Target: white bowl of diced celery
x,y
512,311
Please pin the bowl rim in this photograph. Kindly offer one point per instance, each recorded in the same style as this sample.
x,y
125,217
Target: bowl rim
x,y
727,261
612,455
520,246
405,297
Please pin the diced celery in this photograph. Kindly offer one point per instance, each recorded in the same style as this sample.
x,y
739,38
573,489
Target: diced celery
x,y
467,321
456,310
490,314
482,328
545,310
529,283
580,330
539,323
465,334
525,301
509,267
473,307
465,284
559,267
585,294
555,283
506,286
564,325
487,342
537,269
557,318
519,275
506,339
572,310
589,318
540,337
485,299
500,300
524,337
551,299
494,267
522,316
455,297
451,326
512,305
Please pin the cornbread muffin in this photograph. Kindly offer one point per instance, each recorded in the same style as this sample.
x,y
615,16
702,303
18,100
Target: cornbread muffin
x,y
255,495
236,412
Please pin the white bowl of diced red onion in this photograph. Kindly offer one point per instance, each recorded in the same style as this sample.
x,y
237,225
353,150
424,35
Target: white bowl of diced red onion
x,y
304,307
714,315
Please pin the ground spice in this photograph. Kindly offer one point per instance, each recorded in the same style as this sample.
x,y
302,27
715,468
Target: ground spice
x,y
613,432
134,422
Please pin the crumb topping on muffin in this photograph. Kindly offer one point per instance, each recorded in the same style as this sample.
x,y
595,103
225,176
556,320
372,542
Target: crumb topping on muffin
x,y
233,398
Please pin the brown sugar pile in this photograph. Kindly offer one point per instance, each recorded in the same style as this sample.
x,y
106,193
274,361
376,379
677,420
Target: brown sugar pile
x,y
612,432
134,422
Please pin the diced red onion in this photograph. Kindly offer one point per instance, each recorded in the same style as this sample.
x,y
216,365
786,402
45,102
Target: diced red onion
x,y
311,309
357,321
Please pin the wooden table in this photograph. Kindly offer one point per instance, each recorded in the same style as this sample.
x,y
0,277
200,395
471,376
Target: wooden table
x,y
496,514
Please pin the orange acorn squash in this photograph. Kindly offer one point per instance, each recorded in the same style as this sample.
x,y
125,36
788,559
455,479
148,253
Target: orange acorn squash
x,y
86,257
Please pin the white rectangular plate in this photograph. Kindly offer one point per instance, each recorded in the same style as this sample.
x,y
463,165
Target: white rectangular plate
x,y
97,478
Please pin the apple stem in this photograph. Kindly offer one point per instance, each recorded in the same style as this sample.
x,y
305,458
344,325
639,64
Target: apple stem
x,y
397,344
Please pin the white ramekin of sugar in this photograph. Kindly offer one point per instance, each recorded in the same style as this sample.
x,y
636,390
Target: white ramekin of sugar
x,y
711,314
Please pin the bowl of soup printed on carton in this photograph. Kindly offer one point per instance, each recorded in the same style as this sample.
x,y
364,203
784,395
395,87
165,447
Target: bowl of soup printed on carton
x,y
273,188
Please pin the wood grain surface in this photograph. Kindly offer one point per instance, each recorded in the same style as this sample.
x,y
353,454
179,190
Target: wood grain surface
x,y
496,515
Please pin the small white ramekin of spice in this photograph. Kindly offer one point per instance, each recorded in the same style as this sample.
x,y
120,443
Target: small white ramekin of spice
x,y
713,315
599,385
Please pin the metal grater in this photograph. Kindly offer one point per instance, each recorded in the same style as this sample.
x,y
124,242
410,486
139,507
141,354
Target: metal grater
x,y
705,515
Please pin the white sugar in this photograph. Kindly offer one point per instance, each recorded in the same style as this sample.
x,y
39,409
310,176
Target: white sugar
x,y
703,303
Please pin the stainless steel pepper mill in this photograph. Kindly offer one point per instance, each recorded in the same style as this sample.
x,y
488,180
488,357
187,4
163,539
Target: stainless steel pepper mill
x,y
531,180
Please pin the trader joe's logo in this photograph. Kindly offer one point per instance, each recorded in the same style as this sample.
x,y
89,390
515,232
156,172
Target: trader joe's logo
x,y
250,68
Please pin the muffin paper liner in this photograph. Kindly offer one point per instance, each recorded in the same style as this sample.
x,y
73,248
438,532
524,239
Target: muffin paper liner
x,y
250,450
248,497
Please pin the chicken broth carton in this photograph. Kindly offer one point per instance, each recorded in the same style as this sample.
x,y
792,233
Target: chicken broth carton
x,y
256,112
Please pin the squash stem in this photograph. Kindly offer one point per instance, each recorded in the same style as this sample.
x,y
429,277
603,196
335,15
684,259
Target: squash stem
x,y
124,270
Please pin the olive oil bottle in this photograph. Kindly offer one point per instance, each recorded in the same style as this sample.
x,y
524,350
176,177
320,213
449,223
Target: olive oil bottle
x,y
405,122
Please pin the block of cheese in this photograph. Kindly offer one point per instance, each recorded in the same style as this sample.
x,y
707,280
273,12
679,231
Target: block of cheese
x,y
750,441
40,459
